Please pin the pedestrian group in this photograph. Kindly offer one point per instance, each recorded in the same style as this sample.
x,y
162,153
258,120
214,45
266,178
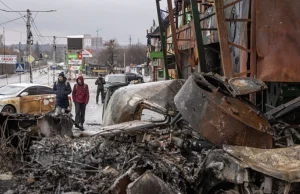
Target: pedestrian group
x,y
80,95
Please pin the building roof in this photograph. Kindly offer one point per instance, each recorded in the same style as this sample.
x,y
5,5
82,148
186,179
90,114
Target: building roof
x,y
76,36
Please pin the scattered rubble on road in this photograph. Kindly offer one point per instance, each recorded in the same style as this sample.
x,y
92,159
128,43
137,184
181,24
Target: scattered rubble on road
x,y
216,142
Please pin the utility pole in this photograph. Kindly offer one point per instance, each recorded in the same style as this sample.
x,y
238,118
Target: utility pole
x,y
29,36
54,64
20,60
3,41
130,39
124,62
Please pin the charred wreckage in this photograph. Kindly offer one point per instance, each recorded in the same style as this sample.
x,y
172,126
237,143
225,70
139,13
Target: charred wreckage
x,y
201,135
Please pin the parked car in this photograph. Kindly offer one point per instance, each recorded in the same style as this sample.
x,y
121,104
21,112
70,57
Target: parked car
x,y
134,77
27,98
115,79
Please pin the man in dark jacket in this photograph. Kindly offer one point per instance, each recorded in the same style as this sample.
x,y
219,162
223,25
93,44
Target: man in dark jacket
x,y
81,98
62,89
100,88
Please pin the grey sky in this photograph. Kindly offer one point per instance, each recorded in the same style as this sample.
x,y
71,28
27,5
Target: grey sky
x,y
117,18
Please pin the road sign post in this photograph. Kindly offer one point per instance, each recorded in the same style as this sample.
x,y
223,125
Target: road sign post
x,y
53,68
20,67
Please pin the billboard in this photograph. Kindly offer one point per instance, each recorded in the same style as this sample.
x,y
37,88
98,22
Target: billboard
x,y
8,59
75,43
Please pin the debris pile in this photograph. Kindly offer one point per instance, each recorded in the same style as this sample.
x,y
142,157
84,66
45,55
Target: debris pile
x,y
216,142
98,165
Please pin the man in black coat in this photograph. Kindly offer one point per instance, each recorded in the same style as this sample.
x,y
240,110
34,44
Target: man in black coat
x,y
100,88
62,89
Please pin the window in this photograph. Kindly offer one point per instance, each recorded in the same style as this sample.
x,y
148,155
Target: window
x,y
150,115
31,91
10,90
44,90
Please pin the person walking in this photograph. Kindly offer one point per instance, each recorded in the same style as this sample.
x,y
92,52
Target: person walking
x,y
100,88
81,98
62,89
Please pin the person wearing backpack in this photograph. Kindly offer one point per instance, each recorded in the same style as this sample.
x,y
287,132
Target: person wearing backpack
x,y
81,98
62,89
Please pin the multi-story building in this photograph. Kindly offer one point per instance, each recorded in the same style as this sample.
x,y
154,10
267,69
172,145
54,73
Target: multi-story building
x,y
97,43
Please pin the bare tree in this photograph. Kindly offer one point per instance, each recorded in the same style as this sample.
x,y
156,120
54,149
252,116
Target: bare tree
x,y
113,55
136,54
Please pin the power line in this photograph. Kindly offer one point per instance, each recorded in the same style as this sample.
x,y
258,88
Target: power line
x,y
11,29
35,15
10,9
36,30
11,20
25,11
37,35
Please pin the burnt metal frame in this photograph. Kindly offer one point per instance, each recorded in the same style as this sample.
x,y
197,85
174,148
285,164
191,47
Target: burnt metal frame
x,y
174,39
198,33
162,38
222,33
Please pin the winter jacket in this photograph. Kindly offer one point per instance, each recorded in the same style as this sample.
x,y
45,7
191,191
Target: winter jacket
x,y
80,92
62,89
100,82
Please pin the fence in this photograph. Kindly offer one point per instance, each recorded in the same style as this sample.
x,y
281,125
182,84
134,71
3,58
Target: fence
x,y
7,69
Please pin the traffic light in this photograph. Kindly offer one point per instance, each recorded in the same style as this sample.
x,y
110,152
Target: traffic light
x,y
79,55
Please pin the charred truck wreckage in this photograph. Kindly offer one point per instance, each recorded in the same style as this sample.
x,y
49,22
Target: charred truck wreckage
x,y
202,135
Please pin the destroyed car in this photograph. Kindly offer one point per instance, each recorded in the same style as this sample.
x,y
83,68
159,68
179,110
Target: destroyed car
x,y
147,102
27,98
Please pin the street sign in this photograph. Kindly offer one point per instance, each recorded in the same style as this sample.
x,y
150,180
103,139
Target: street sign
x,y
86,54
8,59
53,66
72,56
75,68
30,59
75,62
20,67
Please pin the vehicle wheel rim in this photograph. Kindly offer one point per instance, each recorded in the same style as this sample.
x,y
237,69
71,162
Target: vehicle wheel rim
x,y
8,110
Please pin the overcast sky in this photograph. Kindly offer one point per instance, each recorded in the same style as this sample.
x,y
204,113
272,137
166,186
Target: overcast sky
x,y
117,18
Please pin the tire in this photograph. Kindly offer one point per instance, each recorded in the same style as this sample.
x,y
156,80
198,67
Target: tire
x,y
9,109
140,80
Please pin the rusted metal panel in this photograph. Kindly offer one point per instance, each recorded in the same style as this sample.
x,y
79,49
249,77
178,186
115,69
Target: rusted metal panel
x,y
30,104
243,86
221,118
278,40
223,39
186,36
281,163
253,57
174,38
47,103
